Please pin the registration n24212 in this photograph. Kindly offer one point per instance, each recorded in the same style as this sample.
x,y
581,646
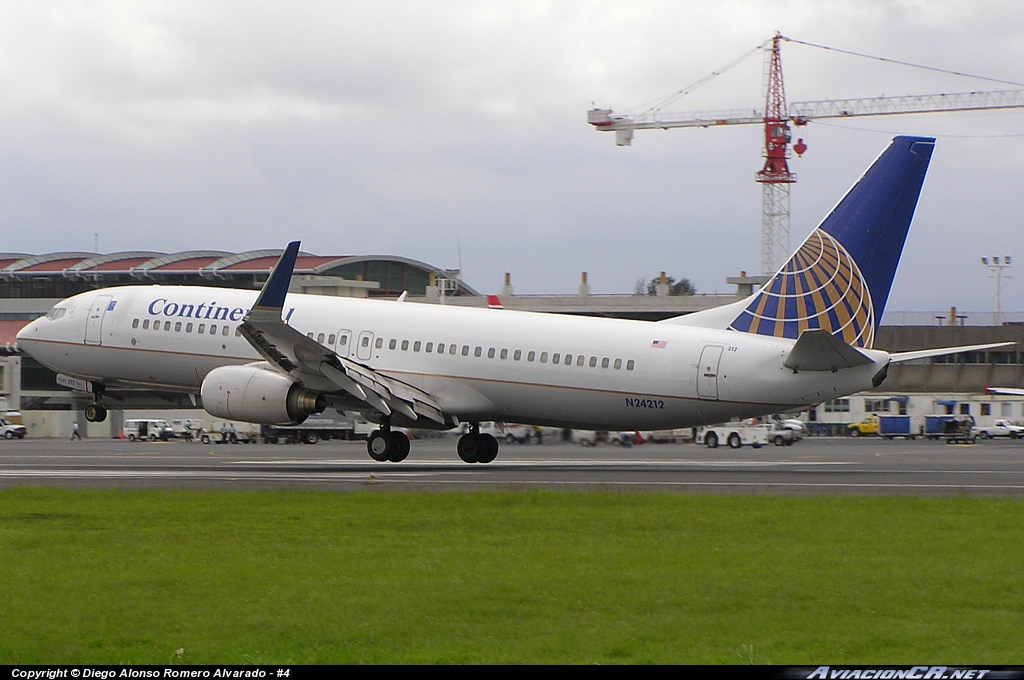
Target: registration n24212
x,y
645,402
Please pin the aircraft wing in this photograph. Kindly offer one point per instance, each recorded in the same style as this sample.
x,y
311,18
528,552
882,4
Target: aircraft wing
x,y
306,360
900,357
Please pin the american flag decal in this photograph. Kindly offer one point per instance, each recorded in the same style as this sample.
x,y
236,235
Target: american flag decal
x,y
659,344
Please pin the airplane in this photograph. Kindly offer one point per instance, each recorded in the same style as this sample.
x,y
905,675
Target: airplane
x,y
276,358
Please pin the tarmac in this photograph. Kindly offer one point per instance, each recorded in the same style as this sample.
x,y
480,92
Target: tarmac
x,y
814,466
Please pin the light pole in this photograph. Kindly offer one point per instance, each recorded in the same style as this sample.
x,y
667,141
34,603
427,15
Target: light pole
x,y
996,265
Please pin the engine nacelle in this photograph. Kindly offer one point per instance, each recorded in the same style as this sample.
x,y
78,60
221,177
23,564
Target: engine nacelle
x,y
258,395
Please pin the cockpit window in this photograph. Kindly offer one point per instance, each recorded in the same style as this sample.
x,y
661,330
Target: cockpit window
x,y
56,313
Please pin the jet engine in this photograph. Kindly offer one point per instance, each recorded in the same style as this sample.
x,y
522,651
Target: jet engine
x,y
258,395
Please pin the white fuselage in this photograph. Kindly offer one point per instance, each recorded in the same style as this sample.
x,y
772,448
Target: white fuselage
x,y
609,374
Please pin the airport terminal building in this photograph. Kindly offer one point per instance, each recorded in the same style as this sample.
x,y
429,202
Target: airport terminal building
x,y
31,284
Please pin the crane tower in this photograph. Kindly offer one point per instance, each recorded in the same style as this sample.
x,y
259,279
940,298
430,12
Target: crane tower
x,y
775,178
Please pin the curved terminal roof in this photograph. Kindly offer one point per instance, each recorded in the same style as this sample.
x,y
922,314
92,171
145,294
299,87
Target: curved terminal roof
x,y
217,264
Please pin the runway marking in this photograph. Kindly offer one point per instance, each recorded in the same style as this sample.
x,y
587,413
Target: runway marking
x,y
573,462
410,477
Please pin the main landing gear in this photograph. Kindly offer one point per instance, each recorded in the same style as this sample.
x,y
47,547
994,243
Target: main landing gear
x,y
386,445
477,448
96,412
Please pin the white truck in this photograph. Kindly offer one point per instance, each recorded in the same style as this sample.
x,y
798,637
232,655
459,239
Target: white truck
x,y
1000,428
733,434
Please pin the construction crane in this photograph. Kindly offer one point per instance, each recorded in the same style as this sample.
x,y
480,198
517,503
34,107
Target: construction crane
x,y
775,177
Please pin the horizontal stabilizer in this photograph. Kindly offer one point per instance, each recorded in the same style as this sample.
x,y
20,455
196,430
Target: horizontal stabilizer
x,y
819,350
900,357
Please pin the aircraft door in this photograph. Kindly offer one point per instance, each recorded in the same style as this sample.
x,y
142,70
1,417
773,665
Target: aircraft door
x,y
364,348
344,343
94,324
707,372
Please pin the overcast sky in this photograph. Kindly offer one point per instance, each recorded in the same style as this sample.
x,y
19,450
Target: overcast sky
x,y
414,128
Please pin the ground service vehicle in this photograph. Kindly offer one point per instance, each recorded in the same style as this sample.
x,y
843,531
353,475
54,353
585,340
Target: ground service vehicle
x,y
909,427
734,435
318,426
9,430
865,427
147,428
1001,428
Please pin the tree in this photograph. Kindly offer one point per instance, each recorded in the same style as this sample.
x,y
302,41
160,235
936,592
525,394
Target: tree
x,y
681,287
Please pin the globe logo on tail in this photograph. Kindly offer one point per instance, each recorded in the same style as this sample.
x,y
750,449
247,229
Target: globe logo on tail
x,y
820,287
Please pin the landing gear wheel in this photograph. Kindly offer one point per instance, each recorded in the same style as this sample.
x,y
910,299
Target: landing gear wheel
x,y
734,441
95,413
398,447
379,446
488,449
711,440
468,448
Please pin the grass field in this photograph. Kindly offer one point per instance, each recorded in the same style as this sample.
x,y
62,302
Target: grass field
x,y
518,576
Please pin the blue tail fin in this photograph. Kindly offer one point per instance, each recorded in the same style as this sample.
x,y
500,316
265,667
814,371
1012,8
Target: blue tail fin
x,y
839,279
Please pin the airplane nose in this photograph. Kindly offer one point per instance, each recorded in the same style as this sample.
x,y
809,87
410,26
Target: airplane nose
x,y
27,334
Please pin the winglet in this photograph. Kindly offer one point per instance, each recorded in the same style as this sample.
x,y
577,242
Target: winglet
x,y
276,288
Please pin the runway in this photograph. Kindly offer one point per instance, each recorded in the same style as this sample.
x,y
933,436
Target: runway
x,y
813,466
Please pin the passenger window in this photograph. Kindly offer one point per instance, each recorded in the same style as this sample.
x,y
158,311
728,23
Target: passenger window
x,y
188,327
429,348
156,325
213,330
202,328
531,355
556,358
344,341
391,345
379,343
478,351
465,350
416,346
225,331
568,360
405,345
630,364
320,337
135,323
330,339
604,362
177,327
145,325
618,364
451,349
543,357
365,341
440,348
490,353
